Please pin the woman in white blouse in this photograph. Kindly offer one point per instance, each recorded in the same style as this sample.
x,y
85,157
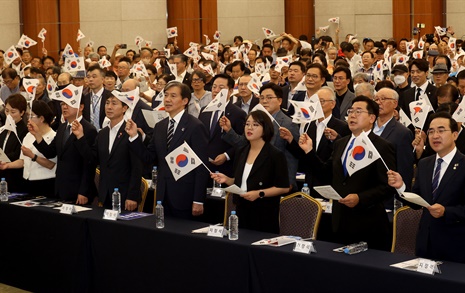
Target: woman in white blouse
x,y
39,172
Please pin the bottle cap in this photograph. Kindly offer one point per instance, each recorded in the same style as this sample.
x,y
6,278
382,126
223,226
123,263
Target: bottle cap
x,y
233,212
154,167
305,185
3,179
158,201
116,189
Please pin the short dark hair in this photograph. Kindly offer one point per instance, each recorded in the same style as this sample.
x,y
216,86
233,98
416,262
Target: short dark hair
x,y
442,114
17,101
421,64
372,106
200,74
96,67
41,109
56,70
344,69
461,75
369,52
299,64
383,84
264,120
151,68
278,91
348,47
126,59
185,90
38,71
99,47
182,57
448,90
227,77
323,71
166,77
240,63
48,57
111,74
448,107
238,38
267,46
9,72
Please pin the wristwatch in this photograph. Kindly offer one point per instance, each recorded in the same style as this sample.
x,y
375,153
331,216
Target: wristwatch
x,y
261,194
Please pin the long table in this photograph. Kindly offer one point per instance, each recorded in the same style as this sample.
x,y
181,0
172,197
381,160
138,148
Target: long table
x,y
44,251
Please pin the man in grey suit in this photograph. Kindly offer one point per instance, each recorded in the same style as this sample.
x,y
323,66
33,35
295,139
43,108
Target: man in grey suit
x,y
341,80
400,136
271,97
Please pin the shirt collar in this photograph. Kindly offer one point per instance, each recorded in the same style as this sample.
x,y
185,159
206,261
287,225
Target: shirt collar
x,y
448,158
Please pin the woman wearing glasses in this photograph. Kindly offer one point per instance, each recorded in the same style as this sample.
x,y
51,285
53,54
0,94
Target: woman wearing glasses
x,y
261,170
200,97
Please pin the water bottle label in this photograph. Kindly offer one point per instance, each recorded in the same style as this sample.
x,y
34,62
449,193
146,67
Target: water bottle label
x,y
110,215
67,209
427,266
304,247
216,231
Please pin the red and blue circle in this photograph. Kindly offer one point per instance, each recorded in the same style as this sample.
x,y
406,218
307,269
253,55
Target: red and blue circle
x,y
73,64
67,93
358,153
182,160
305,113
30,89
10,55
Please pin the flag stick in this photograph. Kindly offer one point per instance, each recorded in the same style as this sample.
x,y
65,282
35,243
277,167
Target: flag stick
x,y
206,166
274,120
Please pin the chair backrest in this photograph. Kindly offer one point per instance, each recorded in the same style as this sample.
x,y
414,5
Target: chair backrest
x,y
406,222
299,215
97,178
228,207
144,188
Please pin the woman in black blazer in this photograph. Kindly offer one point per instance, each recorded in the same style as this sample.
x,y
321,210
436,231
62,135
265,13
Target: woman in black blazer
x,y
15,106
261,170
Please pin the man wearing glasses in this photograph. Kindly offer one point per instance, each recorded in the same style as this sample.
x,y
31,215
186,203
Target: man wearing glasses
x,y
341,80
440,180
360,214
11,81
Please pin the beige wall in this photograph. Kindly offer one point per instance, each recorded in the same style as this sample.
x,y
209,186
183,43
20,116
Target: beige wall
x,y
455,12
247,17
366,18
118,21
10,24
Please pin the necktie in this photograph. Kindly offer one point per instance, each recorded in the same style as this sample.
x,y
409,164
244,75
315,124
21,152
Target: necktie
x,y
435,184
346,155
170,134
94,117
214,121
67,134
417,97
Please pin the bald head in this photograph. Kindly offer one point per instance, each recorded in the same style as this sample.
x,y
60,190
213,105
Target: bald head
x,y
129,85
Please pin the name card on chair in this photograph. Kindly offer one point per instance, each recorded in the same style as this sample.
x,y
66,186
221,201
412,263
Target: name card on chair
x,y
110,215
427,266
216,231
304,247
67,209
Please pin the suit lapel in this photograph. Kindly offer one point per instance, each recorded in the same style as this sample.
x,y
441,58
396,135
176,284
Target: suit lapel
x,y
389,128
179,133
261,159
119,137
450,172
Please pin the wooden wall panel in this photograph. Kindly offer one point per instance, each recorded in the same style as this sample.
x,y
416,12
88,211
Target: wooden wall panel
x,y
299,17
429,12
401,19
38,14
185,14
69,23
208,18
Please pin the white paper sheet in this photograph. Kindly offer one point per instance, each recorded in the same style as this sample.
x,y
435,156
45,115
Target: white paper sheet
x,y
153,117
3,157
415,198
327,191
234,189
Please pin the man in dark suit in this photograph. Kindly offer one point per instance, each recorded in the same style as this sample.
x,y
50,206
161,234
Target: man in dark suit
x,y
94,101
295,74
74,176
247,100
220,153
182,75
183,198
137,116
344,97
360,214
119,166
419,69
323,132
400,136
440,180
271,99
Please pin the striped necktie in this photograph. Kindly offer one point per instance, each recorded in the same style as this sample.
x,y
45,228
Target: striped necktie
x,y
170,133
435,184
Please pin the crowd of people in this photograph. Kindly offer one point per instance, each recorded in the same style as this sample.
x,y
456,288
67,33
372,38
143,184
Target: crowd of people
x,y
362,86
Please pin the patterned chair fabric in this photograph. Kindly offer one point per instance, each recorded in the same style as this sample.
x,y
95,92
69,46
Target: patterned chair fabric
x,y
299,215
406,222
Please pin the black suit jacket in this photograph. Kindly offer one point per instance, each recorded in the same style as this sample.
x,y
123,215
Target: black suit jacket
x,y
138,117
401,138
409,95
269,169
73,174
253,103
216,145
14,177
367,221
187,80
442,238
121,168
87,105
192,186
298,96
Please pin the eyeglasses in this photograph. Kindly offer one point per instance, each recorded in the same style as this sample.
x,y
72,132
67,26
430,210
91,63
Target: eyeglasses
x,y
267,98
324,101
7,82
252,125
357,112
197,80
312,76
440,131
382,99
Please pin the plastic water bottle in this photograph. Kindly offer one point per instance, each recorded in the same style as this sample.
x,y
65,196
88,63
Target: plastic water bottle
x,y
3,190
154,177
159,215
116,200
305,189
233,226
217,190
356,248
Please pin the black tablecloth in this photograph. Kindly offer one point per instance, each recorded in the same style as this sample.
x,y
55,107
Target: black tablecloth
x,y
44,251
